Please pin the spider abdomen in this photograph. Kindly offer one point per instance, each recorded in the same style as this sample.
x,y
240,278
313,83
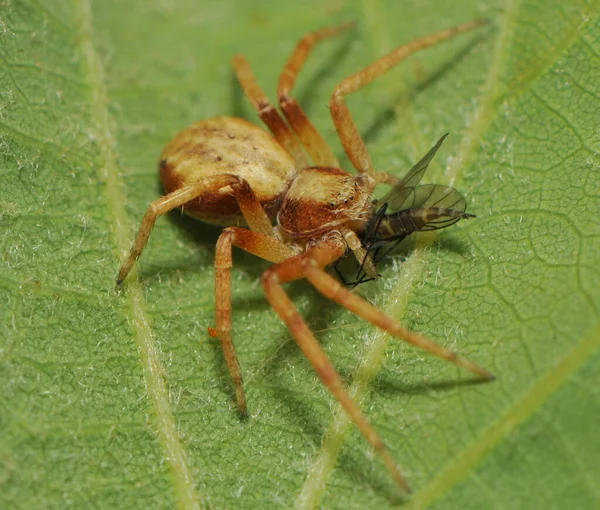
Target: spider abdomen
x,y
226,145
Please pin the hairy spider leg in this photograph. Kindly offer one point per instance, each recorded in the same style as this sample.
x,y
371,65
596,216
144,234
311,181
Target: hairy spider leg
x,y
361,254
350,137
267,112
315,144
310,265
254,214
332,289
262,246
322,254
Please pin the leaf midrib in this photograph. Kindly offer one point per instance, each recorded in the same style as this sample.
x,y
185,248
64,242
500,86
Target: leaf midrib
x,y
153,370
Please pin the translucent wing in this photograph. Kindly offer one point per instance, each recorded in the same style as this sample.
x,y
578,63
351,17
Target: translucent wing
x,y
433,200
402,191
407,208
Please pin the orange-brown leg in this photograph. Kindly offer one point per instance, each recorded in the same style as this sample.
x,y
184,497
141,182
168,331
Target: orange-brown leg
x,y
351,140
385,178
254,214
320,255
267,112
260,245
363,257
316,146
252,210
332,289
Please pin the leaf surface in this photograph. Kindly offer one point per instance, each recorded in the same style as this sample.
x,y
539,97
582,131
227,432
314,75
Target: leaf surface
x,y
123,401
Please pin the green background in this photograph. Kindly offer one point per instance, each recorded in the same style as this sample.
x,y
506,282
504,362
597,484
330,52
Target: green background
x,y
123,401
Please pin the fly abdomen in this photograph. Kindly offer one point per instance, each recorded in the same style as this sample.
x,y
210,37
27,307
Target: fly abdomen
x,y
404,223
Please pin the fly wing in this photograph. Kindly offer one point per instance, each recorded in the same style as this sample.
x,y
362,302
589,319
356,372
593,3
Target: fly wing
x,y
409,207
440,196
435,198
404,191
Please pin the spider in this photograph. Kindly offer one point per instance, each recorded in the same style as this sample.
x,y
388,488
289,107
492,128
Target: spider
x,y
229,172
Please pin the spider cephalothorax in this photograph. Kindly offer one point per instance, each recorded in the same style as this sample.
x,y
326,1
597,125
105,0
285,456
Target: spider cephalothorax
x,y
322,199
229,172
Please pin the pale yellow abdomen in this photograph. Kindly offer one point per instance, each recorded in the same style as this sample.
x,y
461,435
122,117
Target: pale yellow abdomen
x,y
226,145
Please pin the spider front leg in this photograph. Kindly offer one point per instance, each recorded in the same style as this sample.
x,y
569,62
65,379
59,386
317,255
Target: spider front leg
x,y
294,268
332,289
354,145
262,246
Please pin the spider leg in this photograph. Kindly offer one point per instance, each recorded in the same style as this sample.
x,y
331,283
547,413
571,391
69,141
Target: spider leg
x,y
261,245
385,178
332,289
314,143
267,112
363,257
254,214
294,268
350,137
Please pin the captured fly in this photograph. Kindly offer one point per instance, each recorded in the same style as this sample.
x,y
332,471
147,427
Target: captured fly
x,y
408,207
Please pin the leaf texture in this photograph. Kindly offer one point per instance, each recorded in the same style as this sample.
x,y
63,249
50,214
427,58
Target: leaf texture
x,y
123,400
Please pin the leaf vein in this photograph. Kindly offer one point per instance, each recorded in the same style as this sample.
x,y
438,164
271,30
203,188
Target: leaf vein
x,y
153,370
546,386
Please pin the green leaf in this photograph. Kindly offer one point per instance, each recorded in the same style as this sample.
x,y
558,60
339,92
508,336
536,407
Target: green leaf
x,y
123,401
